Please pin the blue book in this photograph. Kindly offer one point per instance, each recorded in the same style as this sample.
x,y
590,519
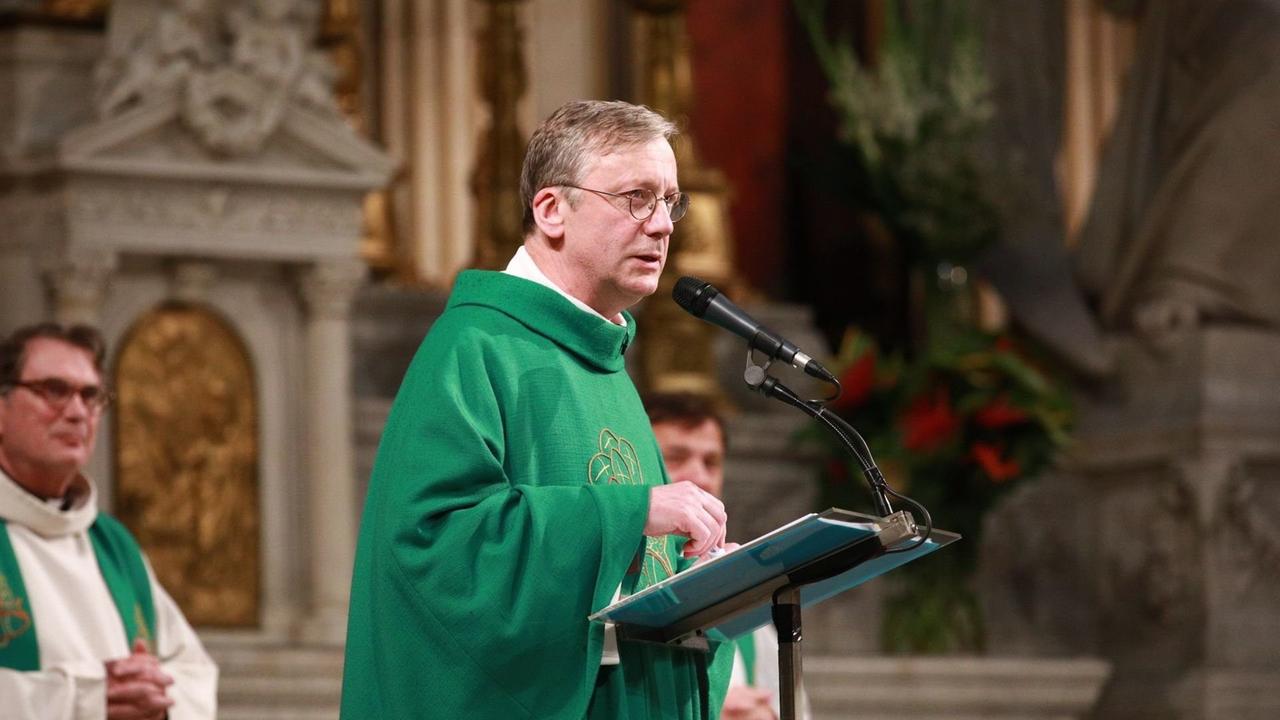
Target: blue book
x,y
826,553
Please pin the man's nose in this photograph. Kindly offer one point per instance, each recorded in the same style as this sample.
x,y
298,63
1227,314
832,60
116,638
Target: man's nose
x,y
698,474
76,407
659,223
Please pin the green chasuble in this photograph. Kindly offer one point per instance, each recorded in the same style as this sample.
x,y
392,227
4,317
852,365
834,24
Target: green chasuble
x,y
507,503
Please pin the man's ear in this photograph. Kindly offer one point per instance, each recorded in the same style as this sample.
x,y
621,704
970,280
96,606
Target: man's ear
x,y
548,205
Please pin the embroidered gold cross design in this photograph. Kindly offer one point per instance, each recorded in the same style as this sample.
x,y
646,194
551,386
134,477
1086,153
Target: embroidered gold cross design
x,y
617,463
14,619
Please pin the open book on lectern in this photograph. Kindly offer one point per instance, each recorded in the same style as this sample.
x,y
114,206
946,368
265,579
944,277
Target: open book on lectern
x,y
826,553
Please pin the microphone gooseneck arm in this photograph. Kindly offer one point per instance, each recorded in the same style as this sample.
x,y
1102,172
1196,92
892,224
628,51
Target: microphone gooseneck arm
x,y
770,387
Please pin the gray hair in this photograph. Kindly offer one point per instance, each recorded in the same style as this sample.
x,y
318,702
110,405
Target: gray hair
x,y
577,132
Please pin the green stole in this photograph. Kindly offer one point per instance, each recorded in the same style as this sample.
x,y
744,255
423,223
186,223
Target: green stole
x,y
747,648
119,560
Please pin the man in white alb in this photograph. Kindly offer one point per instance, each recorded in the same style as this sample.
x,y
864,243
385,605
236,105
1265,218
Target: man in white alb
x,y
86,632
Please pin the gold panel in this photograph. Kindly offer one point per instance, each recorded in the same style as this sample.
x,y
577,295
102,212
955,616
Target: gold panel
x,y
496,179
186,460
76,9
342,35
681,357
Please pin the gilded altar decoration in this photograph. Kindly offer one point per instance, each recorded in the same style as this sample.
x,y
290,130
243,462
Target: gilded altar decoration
x,y
341,35
496,181
75,9
186,458
701,244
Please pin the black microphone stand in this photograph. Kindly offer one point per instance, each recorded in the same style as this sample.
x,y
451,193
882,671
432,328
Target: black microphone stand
x,y
770,387
786,600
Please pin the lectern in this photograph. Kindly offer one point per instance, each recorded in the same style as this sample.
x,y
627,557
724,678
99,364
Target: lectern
x,y
802,563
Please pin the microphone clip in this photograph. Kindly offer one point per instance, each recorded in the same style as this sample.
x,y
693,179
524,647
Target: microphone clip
x,y
755,375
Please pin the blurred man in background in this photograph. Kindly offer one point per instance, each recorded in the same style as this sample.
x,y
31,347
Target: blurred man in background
x,y
86,632
691,435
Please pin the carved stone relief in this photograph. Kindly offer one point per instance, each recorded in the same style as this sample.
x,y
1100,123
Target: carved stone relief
x,y
226,211
1153,549
234,68
1036,588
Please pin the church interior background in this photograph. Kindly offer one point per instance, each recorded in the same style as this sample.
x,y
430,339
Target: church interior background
x,y
263,204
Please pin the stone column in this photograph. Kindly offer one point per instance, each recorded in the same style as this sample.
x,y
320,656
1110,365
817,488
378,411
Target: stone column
x,y
78,285
327,290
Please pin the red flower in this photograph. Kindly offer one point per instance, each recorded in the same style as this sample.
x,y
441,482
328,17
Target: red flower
x,y
988,458
999,414
929,422
856,382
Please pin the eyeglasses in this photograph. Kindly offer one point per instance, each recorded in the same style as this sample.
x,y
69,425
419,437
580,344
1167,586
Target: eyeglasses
x,y
58,392
643,203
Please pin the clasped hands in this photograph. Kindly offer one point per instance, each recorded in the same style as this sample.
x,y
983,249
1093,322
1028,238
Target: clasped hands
x,y
136,686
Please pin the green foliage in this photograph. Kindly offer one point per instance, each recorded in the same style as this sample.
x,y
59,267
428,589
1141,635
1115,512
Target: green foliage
x,y
970,415
914,121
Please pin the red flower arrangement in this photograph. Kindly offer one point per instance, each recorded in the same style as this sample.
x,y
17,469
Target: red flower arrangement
x,y
960,426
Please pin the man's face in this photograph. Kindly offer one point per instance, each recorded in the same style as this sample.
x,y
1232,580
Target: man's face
x,y
613,259
693,453
43,446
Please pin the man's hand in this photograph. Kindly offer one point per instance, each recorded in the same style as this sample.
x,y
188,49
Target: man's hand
x,y
747,703
136,687
684,509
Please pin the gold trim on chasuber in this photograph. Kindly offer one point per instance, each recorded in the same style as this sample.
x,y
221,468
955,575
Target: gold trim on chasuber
x,y
681,357
617,463
186,461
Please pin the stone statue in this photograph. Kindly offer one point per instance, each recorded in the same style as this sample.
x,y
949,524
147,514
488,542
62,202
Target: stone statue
x,y
1147,544
1184,222
158,60
1181,231
231,68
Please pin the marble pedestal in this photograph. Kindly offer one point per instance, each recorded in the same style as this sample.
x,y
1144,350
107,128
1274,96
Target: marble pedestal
x,y
1155,546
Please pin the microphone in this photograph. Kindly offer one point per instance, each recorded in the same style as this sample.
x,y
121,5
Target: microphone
x,y
701,300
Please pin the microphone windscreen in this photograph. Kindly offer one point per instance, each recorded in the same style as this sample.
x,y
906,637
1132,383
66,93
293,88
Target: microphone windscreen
x,y
693,294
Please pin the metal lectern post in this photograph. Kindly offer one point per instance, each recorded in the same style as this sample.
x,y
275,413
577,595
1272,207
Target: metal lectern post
x,y
786,619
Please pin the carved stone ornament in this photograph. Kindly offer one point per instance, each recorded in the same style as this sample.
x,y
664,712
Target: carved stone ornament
x,y
234,67
1154,566
78,283
1252,540
329,287
224,209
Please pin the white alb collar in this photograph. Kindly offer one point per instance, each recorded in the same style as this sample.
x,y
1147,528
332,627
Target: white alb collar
x,y
523,266
21,507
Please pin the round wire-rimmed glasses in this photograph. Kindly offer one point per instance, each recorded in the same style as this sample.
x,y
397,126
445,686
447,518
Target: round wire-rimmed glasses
x,y
643,203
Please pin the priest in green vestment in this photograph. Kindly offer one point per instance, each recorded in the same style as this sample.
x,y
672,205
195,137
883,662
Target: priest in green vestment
x,y
518,486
